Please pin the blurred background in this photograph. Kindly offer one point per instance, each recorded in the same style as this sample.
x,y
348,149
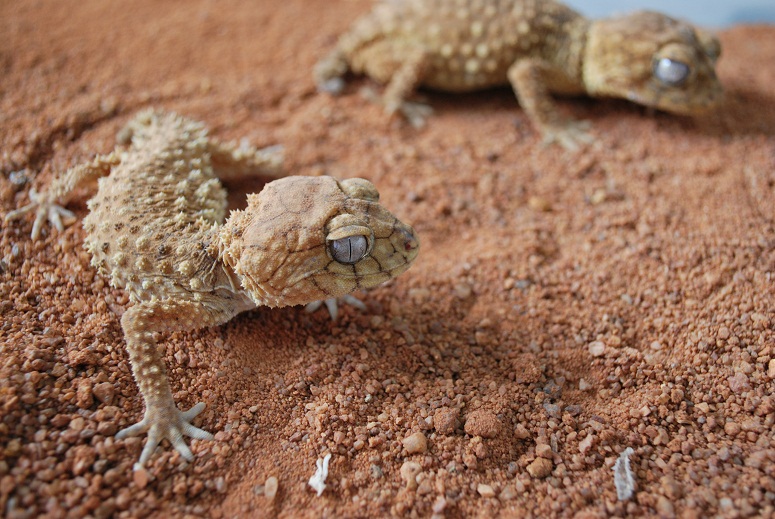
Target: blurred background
x,y
707,13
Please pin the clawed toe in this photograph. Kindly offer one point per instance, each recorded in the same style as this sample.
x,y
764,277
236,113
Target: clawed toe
x,y
332,304
56,215
571,135
171,425
416,113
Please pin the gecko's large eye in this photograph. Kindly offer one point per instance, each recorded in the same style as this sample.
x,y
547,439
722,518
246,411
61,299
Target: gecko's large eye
x,y
671,72
349,249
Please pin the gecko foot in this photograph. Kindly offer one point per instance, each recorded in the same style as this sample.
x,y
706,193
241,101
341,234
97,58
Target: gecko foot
x,y
571,135
332,304
329,73
169,423
415,113
56,215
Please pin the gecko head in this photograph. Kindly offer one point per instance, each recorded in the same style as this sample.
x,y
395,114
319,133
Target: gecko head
x,y
303,239
654,60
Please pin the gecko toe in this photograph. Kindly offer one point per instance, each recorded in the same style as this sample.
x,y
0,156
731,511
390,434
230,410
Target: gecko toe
x,y
571,135
354,301
179,443
332,305
132,430
154,438
333,86
192,413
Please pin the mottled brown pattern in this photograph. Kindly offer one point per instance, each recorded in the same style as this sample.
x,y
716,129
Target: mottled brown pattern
x,y
540,47
156,229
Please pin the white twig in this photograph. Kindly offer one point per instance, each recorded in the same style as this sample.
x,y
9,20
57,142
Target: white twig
x,y
318,479
624,479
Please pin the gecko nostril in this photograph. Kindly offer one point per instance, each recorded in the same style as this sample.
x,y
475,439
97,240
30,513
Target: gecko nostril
x,y
410,241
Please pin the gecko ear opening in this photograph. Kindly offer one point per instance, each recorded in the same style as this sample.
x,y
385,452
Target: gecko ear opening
x,y
360,188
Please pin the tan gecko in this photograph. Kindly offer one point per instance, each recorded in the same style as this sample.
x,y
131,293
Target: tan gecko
x,y
540,47
156,229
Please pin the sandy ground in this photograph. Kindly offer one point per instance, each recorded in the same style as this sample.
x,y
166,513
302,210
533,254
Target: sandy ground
x,y
565,306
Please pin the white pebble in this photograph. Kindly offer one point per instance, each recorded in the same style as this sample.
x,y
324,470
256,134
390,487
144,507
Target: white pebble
x,y
596,348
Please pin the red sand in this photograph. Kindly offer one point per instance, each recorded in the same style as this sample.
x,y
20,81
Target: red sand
x,y
621,296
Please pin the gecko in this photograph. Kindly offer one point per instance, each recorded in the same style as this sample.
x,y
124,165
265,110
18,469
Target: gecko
x,y
539,47
157,228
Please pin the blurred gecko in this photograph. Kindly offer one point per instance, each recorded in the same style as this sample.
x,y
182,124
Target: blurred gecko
x,y
540,47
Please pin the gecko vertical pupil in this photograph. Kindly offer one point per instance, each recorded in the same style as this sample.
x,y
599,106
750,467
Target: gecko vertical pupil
x,y
349,249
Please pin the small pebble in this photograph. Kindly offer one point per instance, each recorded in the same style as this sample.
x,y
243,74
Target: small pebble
x,y
521,432
376,472
540,468
84,395
482,423
586,444
573,409
439,505
596,348
409,471
732,429
140,477
598,196
738,382
270,487
462,291
553,410
671,488
540,204
415,443
105,391
508,493
665,508
544,450
485,490
446,420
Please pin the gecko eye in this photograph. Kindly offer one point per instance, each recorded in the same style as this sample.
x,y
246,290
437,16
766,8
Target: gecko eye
x,y
670,71
350,249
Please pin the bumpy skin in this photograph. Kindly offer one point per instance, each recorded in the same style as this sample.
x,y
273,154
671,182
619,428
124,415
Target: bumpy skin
x,y
156,229
540,47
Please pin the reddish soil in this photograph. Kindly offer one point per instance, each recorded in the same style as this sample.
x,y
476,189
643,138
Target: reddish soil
x,y
564,307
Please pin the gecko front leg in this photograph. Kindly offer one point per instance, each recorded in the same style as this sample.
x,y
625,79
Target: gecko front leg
x,y
162,419
48,205
529,78
404,82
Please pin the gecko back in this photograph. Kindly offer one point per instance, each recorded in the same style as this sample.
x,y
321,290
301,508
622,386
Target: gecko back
x,y
157,204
